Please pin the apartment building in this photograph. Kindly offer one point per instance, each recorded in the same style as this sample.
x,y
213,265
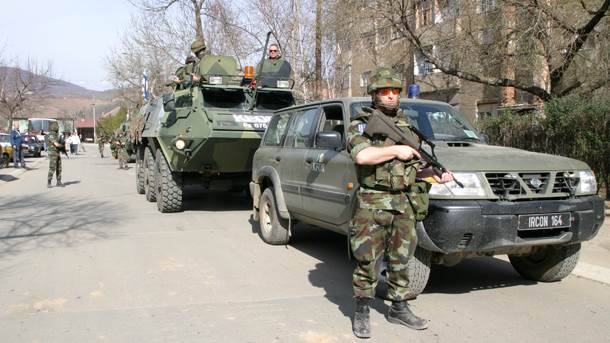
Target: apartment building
x,y
383,44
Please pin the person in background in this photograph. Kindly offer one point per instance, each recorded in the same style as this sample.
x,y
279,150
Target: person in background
x,y
17,143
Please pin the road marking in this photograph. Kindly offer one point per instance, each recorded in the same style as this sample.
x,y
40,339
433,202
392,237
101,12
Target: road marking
x,y
592,272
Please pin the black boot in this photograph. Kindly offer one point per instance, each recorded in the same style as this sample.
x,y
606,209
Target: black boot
x,y
59,184
361,324
49,184
400,313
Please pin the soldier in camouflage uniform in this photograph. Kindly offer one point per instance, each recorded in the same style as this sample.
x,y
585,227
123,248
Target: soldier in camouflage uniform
x,y
384,220
53,143
121,145
113,147
101,140
184,75
199,50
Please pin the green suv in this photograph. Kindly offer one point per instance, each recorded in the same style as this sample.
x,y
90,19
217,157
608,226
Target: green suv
x,y
536,208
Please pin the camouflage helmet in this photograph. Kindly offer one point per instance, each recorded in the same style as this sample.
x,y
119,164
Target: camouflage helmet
x,y
197,46
383,78
54,126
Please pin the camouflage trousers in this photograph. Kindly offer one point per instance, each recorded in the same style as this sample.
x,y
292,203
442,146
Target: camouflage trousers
x,y
101,147
375,234
54,167
123,157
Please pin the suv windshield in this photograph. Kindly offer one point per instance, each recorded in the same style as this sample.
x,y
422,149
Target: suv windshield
x,y
268,100
435,121
224,97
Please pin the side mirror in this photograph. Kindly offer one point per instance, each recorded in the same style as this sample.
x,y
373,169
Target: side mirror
x,y
329,140
169,104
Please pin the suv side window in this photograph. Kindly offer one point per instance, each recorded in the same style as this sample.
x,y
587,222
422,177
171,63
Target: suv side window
x,y
277,130
301,132
332,120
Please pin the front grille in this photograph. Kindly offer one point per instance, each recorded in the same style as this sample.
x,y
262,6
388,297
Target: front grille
x,y
565,183
514,186
504,184
536,182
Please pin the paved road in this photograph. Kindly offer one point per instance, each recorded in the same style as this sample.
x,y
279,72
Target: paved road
x,y
94,262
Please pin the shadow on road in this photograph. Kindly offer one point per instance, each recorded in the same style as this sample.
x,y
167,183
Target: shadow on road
x,y
71,183
196,198
8,178
50,220
334,272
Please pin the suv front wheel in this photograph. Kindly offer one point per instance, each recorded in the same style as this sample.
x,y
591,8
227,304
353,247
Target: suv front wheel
x,y
547,264
418,269
273,229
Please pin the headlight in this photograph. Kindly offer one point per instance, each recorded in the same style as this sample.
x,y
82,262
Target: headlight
x,y
472,186
587,184
180,144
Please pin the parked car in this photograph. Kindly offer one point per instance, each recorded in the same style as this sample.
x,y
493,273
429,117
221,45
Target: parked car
x,y
536,208
6,150
32,146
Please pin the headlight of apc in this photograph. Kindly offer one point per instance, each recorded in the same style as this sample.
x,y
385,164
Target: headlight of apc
x,y
472,186
587,184
180,144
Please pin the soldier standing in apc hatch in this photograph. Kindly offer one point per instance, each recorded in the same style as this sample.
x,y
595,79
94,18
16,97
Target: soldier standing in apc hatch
x,y
391,197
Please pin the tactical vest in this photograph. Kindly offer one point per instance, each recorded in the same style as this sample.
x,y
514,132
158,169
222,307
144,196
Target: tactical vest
x,y
393,175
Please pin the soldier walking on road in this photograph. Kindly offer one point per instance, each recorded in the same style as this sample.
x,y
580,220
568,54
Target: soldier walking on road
x,y
100,145
122,150
384,221
54,144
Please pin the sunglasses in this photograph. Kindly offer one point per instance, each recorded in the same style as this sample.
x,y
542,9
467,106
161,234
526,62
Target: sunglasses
x,y
388,91
272,50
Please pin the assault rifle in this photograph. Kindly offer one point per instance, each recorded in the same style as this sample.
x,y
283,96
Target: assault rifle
x,y
62,148
379,124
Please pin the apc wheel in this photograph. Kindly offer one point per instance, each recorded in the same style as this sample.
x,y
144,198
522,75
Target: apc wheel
x,y
140,184
418,270
169,186
273,229
548,264
149,175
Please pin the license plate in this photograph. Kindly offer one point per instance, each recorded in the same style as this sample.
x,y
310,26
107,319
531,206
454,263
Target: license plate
x,y
544,221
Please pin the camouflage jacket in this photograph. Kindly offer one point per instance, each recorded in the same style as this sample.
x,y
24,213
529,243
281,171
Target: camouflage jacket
x,y
52,137
371,195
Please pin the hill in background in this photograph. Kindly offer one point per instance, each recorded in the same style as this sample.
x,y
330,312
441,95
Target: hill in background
x,y
64,99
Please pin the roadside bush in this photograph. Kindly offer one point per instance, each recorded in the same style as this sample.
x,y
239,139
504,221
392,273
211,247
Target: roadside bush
x,y
572,126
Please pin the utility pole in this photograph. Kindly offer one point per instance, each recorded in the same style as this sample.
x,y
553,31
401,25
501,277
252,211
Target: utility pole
x,y
94,135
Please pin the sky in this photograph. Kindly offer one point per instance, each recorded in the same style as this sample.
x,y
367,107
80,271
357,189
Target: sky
x,y
75,35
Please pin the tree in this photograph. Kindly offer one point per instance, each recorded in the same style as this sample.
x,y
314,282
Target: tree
x,y
193,8
547,48
21,87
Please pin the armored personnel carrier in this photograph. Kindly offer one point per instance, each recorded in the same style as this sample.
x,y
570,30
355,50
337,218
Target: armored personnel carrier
x,y
206,133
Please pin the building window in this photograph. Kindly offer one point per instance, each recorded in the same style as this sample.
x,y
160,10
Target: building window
x,y
487,110
423,12
396,34
384,35
447,9
485,6
422,66
369,40
364,79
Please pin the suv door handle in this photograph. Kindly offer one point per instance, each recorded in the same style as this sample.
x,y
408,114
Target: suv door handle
x,y
278,158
